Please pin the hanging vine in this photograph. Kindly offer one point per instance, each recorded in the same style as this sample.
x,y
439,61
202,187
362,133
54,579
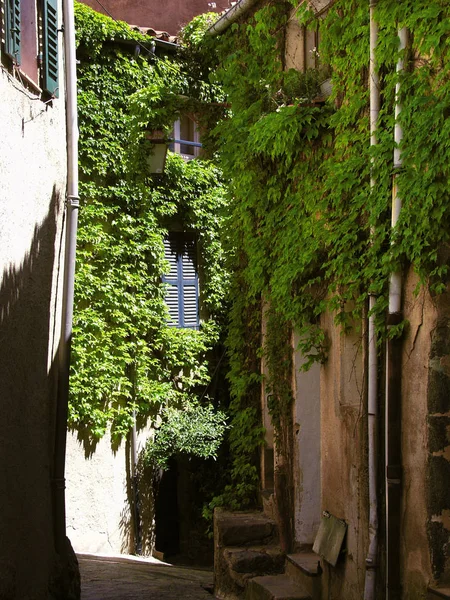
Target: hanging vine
x,y
313,235
126,359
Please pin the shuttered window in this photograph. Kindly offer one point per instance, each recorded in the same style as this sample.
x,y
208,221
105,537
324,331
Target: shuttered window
x,y
50,74
22,45
181,281
12,30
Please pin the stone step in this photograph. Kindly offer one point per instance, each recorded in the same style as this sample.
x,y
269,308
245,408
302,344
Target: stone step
x,y
241,564
304,568
274,587
243,528
438,593
259,560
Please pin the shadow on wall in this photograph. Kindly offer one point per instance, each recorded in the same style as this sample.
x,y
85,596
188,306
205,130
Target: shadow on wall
x,y
137,522
27,407
86,439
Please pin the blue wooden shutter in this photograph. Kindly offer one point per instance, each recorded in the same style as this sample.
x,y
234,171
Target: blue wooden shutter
x,y
50,22
189,279
182,282
12,29
172,281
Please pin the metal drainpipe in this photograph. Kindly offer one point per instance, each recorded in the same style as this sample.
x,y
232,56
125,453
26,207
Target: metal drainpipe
x,y
72,204
372,377
231,16
135,484
393,377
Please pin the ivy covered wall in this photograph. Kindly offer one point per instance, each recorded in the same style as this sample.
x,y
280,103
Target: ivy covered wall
x,y
314,236
129,363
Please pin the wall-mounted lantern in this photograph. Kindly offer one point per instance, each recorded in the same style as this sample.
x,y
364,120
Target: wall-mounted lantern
x,y
157,159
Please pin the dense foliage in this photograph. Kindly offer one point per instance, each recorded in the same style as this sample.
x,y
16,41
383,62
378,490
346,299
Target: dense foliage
x,y
306,231
127,361
313,234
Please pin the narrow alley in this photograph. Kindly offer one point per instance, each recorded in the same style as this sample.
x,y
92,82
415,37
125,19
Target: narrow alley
x,y
133,578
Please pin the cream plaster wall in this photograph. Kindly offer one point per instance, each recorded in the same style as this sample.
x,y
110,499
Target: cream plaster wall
x,y
32,189
307,462
295,45
99,497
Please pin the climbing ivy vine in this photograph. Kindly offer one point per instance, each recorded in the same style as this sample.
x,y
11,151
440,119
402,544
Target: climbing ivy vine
x,y
301,228
313,234
127,362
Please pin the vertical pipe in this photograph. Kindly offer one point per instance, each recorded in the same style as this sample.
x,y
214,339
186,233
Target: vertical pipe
x,y
135,482
393,376
72,204
372,377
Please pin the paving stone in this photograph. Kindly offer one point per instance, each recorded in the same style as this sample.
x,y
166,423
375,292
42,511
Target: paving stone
x,y
133,578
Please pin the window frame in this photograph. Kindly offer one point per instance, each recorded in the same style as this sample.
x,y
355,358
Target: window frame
x,y
30,43
177,146
180,250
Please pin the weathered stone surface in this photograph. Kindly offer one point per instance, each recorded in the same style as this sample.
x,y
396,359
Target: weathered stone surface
x,y
7,581
439,547
275,587
438,593
307,562
133,578
439,488
244,546
255,560
304,569
438,433
65,582
243,528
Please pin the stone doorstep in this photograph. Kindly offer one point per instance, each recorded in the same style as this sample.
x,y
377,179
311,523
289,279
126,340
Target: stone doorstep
x,y
439,592
307,562
245,563
305,570
275,587
260,560
244,528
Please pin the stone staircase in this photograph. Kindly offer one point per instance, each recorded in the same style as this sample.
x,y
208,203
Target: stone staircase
x,y
438,593
248,562
245,546
300,581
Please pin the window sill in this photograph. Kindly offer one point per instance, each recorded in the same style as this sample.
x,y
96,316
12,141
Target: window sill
x,y
26,83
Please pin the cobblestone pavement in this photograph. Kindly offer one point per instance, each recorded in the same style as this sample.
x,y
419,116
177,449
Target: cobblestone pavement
x,y
132,578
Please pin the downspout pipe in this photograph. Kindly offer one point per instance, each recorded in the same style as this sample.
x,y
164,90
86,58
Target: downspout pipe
x,y
135,485
71,223
372,377
230,17
393,372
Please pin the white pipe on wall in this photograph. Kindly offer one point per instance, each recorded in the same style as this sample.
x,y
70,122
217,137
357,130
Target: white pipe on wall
x,y
72,205
395,284
372,377
393,432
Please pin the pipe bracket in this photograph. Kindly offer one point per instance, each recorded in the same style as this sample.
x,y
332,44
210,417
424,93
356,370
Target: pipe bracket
x,y
73,201
394,318
59,483
394,473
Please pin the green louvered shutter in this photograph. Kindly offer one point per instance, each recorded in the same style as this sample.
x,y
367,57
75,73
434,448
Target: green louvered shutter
x,y
50,80
12,29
